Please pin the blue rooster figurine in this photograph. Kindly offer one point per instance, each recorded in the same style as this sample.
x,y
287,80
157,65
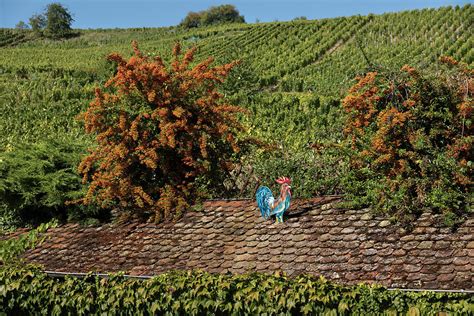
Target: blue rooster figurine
x,y
269,206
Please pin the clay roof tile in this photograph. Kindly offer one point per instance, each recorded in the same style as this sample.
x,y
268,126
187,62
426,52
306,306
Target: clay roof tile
x,y
348,246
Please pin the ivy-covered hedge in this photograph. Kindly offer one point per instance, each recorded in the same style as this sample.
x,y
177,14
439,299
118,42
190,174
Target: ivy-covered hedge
x,y
27,290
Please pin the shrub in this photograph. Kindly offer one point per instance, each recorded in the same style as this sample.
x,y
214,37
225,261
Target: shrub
x,y
37,180
412,136
158,131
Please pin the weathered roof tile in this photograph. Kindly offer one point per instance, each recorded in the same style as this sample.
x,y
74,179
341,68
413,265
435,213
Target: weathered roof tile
x,y
348,246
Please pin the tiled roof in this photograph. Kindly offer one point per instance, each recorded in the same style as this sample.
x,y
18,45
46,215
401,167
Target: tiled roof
x,y
348,246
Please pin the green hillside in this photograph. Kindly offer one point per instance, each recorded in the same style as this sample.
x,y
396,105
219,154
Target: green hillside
x,y
53,79
292,77
298,55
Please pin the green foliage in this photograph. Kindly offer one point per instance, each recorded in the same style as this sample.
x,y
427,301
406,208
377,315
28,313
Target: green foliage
x,y
58,21
28,289
38,23
297,127
21,26
412,137
9,37
193,19
41,104
225,13
12,248
54,23
37,180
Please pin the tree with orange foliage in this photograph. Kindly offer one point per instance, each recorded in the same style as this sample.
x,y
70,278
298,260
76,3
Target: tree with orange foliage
x,y
412,138
158,129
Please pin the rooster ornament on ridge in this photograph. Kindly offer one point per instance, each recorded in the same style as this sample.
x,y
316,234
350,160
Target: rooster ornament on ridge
x,y
269,206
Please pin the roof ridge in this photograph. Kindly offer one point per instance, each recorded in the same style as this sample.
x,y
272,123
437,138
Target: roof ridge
x,y
298,199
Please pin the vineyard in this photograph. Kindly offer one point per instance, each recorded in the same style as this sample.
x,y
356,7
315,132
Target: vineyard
x,y
291,79
320,56
375,108
12,38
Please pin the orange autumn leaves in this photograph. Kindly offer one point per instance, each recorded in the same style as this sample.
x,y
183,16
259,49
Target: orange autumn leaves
x,y
157,131
386,110
414,130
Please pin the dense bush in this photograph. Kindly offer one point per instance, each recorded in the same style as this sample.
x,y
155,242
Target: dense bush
x,y
37,180
158,131
412,138
27,289
226,13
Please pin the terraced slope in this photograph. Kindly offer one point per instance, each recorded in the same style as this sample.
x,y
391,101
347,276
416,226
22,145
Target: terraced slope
x,y
44,84
319,56
10,38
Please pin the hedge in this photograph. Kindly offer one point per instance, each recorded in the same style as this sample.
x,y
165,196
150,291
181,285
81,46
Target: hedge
x,y
28,290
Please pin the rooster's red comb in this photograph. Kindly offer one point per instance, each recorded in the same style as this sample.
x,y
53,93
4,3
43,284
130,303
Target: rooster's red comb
x,y
282,180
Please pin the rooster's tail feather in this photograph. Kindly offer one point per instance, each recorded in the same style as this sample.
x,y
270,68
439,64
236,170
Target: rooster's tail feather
x,y
265,201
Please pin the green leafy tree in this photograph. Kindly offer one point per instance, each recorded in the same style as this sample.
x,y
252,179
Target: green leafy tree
x,y
226,13
193,19
54,23
58,21
21,26
38,23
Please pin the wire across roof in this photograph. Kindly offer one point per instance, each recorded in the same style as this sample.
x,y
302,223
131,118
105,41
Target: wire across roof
x,y
346,246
